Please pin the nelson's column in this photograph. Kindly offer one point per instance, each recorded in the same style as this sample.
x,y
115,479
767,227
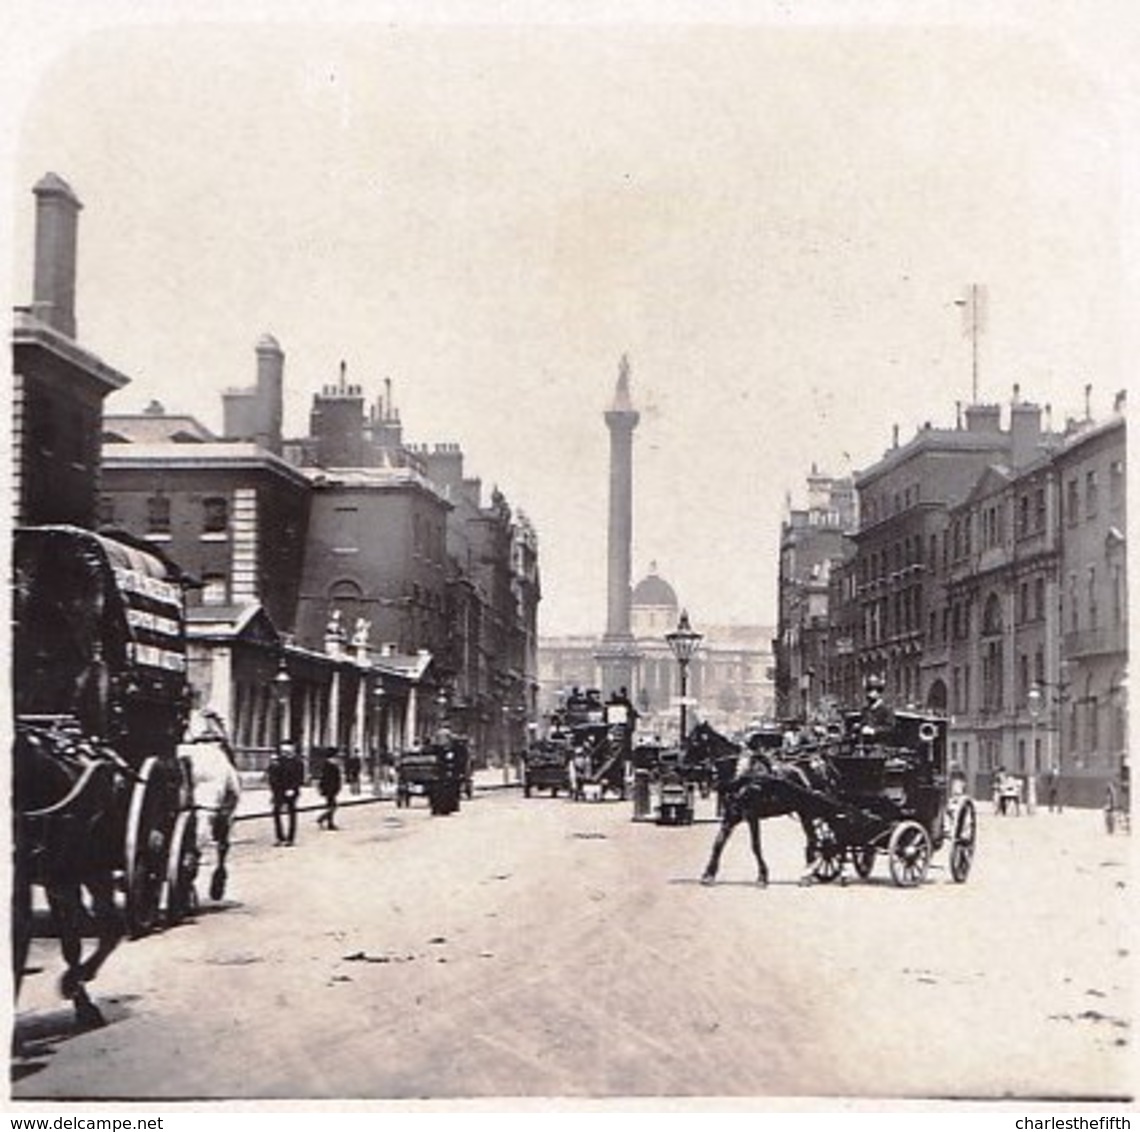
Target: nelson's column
x,y
617,655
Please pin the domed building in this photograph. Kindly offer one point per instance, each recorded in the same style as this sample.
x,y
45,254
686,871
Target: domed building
x,y
653,606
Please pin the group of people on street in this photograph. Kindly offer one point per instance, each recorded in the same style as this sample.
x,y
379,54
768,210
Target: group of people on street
x,y
285,775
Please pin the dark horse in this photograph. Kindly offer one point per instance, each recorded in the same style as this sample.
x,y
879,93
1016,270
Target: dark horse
x,y
772,788
68,810
711,760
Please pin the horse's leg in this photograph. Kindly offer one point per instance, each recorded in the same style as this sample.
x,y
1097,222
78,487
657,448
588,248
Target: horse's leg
x,y
221,832
107,924
754,833
66,909
722,836
811,849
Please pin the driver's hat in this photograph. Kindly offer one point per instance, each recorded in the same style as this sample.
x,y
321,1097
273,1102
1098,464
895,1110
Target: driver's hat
x,y
875,683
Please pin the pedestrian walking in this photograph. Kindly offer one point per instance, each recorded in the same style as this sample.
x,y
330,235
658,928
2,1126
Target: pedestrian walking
x,y
353,764
1053,786
286,774
329,785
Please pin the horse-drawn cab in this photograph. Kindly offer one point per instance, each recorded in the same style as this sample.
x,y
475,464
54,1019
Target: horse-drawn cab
x,y
101,798
903,770
440,770
546,764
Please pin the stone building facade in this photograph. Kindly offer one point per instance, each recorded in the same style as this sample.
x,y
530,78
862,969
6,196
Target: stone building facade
x,y
344,596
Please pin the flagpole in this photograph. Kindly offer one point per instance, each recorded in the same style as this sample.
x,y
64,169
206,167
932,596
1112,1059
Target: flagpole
x,y
974,331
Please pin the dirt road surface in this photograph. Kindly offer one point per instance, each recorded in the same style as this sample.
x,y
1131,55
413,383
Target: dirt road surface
x,y
526,948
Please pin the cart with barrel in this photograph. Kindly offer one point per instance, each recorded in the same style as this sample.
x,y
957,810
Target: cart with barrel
x,y
101,700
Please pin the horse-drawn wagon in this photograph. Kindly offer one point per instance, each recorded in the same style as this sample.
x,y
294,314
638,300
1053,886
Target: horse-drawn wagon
x,y
440,771
602,748
102,799
546,766
894,799
857,800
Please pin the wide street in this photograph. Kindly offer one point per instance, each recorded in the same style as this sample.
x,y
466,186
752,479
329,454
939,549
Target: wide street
x,y
547,948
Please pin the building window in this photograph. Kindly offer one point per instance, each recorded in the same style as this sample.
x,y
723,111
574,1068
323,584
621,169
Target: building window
x,y
158,515
1072,503
1074,617
1039,509
1023,602
214,590
1090,495
1023,516
106,510
1022,679
1094,619
1093,723
43,427
1116,483
1117,596
966,689
346,534
991,619
215,515
1039,668
992,676
1039,599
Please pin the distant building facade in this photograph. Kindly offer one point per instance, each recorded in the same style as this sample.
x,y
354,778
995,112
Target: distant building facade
x,y
987,580
730,678
812,540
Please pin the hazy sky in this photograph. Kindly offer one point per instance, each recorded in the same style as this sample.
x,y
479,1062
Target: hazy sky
x,y
771,212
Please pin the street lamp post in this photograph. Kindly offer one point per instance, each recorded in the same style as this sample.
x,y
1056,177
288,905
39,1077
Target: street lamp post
x,y
683,642
282,682
1033,701
378,747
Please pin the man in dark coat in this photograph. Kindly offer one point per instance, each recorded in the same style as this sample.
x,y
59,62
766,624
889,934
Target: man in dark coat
x,y
286,774
877,721
329,786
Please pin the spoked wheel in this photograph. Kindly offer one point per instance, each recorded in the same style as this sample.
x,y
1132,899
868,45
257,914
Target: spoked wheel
x,y
963,840
146,855
829,853
182,868
1110,809
863,858
909,854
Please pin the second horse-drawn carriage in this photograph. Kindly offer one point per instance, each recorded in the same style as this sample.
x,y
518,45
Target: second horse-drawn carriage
x,y
102,799
440,771
586,752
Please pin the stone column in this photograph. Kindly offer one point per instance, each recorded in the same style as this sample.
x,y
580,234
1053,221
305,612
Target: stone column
x,y
617,655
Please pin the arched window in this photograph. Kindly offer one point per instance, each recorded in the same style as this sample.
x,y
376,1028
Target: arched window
x,y
345,595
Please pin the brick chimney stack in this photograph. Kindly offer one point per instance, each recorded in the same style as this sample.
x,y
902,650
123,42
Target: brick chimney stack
x,y
270,394
57,226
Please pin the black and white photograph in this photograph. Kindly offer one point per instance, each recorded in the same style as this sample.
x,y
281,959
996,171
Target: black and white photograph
x,y
570,557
